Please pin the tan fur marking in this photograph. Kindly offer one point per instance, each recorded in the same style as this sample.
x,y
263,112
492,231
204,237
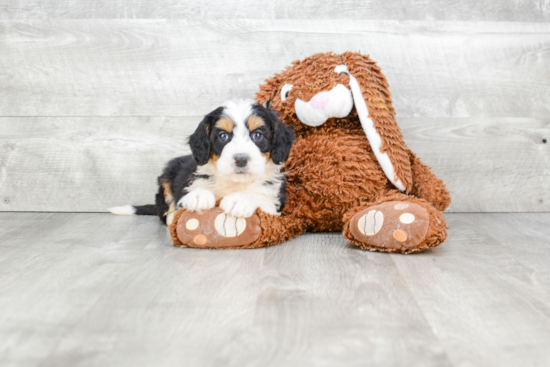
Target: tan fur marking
x,y
254,122
169,198
214,159
225,123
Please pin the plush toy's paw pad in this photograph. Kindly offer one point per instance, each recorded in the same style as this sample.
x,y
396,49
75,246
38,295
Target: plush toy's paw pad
x,y
214,229
391,225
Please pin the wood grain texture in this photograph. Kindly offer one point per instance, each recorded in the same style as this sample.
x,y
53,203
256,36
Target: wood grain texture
x,y
510,10
357,311
100,290
86,164
90,164
181,67
487,292
488,164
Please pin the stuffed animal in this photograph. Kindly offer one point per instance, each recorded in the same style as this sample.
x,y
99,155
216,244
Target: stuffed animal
x,y
349,169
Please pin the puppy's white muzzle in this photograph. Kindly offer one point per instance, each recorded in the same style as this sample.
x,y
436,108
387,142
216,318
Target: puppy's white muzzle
x,y
337,102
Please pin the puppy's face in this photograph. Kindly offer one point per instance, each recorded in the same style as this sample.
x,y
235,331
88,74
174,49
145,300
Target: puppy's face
x,y
240,138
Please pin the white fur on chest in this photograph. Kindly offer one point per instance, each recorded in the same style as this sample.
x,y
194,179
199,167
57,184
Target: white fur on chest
x,y
264,190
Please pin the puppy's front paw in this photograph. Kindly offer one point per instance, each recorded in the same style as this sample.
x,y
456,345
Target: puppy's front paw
x,y
198,200
238,205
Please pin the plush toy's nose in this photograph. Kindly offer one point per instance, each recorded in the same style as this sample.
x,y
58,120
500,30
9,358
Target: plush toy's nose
x,y
336,102
320,100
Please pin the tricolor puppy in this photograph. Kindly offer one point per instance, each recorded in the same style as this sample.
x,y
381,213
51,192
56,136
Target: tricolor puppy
x,y
238,152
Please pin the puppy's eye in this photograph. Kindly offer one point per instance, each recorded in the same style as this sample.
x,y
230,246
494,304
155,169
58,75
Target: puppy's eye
x,y
257,135
285,90
223,136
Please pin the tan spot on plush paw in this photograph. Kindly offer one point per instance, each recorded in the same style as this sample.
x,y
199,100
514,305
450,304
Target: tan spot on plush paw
x,y
199,239
229,226
400,235
244,231
406,218
401,206
192,224
371,223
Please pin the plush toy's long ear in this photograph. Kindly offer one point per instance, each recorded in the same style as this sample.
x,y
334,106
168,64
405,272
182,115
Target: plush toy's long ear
x,y
283,138
199,141
382,131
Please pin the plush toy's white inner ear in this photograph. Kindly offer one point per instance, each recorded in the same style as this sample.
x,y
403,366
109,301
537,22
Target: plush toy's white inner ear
x,y
368,126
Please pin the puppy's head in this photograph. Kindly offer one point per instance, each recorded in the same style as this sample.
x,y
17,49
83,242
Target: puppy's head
x,y
240,138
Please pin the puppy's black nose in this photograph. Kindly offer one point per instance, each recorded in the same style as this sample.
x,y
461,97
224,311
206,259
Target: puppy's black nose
x,y
241,160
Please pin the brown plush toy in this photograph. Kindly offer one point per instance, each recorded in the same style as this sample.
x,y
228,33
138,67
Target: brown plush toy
x,y
349,169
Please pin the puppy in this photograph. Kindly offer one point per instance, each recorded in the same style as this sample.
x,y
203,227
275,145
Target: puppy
x,y
238,151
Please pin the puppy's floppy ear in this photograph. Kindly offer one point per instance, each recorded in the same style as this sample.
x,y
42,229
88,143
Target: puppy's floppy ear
x,y
282,140
199,141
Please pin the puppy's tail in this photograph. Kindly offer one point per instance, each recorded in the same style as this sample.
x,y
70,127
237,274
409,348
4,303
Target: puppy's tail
x,y
134,210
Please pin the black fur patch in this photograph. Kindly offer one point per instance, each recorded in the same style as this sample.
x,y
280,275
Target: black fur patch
x,y
179,174
199,142
278,136
281,196
216,143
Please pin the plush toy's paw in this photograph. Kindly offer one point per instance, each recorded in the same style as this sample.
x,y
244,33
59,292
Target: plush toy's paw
x,y
197,200
238,205
394,225
215,229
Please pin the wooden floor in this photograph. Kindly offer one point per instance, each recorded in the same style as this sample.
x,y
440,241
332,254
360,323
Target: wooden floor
x,y
99,290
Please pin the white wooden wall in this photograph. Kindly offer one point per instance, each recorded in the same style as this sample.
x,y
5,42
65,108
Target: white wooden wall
x,y
95,96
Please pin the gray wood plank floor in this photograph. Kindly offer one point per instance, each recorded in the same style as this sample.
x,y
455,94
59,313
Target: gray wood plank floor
x,y
98,290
